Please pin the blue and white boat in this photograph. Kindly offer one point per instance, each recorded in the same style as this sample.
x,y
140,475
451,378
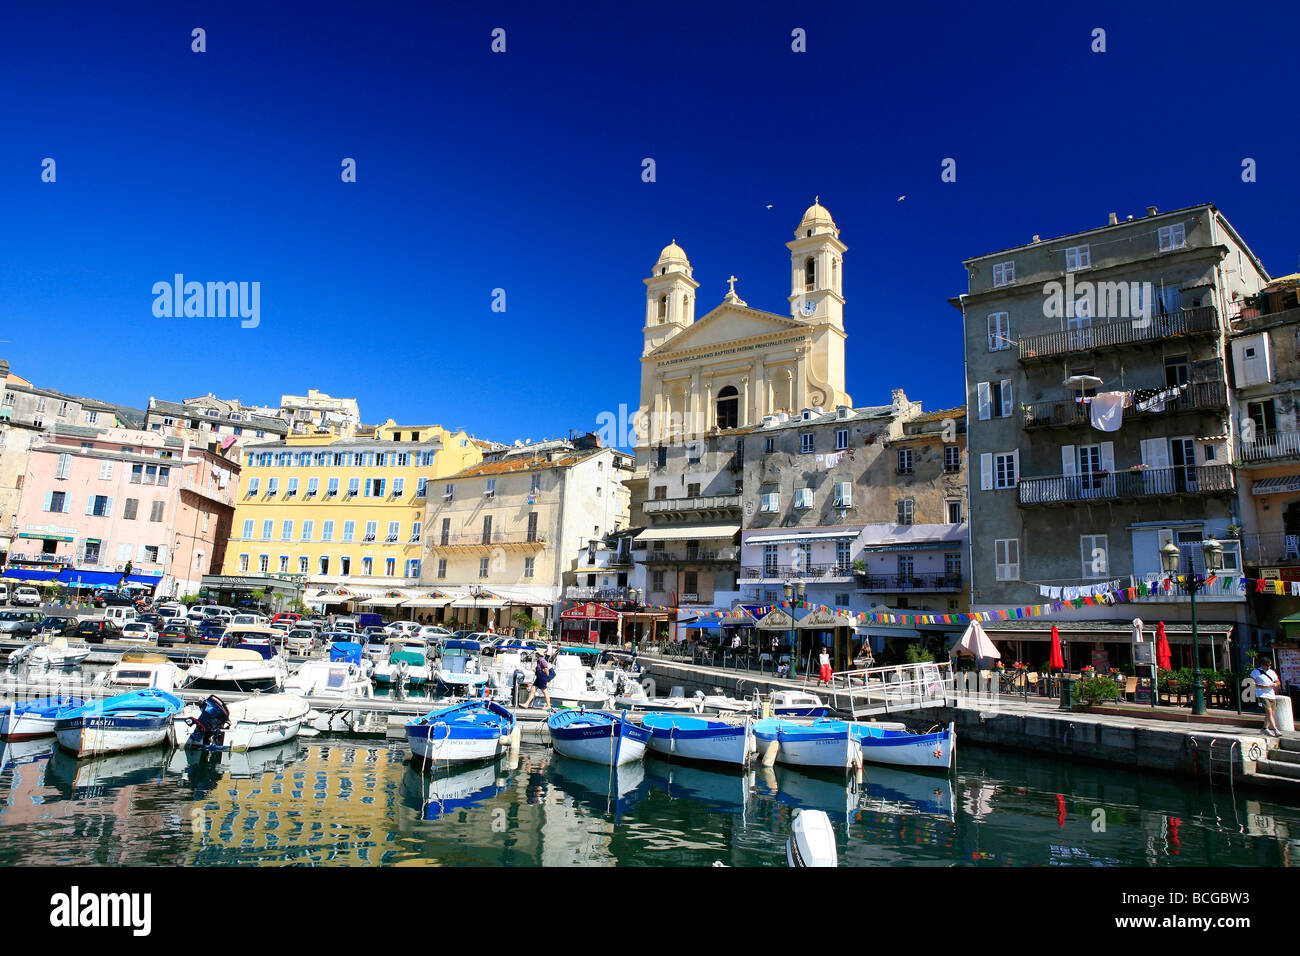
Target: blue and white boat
x,y
903,748
459,672
474,730
701,738
597,736
798,703
142,718
30,719
820,743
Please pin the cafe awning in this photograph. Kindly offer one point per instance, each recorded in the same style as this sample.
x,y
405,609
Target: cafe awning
x,y
688,532
1278,485
789,538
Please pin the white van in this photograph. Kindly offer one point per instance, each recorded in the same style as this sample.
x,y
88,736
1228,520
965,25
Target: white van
x,y
4,594
120,615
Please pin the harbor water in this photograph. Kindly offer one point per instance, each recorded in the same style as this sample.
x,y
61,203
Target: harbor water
x,y
333,801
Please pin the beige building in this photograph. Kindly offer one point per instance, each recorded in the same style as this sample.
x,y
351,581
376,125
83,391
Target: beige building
x,y
501,534
317,411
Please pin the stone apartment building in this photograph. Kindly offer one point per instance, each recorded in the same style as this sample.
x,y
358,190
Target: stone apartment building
x,y
502,534
1101,426
223,426
1265,343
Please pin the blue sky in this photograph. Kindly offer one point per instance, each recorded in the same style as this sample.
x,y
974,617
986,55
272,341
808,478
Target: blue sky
x,y
522,171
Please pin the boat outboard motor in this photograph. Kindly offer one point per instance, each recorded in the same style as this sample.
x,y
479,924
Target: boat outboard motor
x,y
212,721
812,840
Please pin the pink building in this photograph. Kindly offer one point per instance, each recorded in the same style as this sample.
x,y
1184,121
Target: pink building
x,y
94,500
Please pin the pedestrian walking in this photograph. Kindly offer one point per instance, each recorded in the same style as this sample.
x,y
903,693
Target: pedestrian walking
x,y
825,661
1266,686
541,679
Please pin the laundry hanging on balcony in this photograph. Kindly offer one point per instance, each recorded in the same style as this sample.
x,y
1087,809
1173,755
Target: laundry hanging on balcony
x,y
1153,399
1108,411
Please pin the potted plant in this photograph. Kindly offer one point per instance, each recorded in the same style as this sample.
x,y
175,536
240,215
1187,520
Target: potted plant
x,y
1095,690
1234,530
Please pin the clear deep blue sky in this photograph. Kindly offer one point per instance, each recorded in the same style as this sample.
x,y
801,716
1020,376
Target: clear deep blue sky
x,y
522,171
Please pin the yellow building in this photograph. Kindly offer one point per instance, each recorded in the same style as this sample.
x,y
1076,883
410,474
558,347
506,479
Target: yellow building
x,y
337,519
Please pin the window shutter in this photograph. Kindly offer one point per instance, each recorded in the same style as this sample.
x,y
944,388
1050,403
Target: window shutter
x,y
986,471
1068,464
90,504
1108,456
108,511
985,405
1006,398
67,503
49,497
1015,459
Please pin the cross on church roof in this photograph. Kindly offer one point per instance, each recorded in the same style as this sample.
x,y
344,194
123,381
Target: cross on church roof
x,y
732,282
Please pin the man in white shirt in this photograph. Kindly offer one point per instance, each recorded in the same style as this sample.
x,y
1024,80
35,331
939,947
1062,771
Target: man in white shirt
x,y
1266,686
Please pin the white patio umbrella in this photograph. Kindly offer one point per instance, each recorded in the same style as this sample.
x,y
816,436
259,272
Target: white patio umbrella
x,y
976,643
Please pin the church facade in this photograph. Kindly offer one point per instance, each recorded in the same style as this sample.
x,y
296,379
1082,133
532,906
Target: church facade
x,y
736,364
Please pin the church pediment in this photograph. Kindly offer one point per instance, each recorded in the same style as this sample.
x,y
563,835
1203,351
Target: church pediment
x,y
724,325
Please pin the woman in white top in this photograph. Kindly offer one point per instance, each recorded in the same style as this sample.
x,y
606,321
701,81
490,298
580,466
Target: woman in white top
x,y
825,661
1266,684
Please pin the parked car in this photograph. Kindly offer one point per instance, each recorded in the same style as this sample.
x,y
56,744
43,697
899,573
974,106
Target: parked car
x,y
211,631
54,626
19,623
246,618
97,631
121,616
153,620
300,640
137,633
114,599
27,597
286,616
432,632
177,633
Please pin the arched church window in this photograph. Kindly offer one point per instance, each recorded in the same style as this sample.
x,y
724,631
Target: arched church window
x,y
728,407
663,307
809,274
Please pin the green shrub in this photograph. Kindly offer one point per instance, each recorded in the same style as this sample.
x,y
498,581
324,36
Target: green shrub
x,y
1097,690
918,655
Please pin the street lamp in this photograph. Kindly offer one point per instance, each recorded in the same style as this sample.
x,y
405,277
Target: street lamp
x,y
794,590
1170,558
635,595
476,592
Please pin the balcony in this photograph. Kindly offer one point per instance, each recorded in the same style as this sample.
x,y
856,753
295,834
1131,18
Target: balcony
x,y
802,572
909,582
693,556
1277,547
1133,483
700,506
1270,447
1120,333
1199,397
517,540
576,593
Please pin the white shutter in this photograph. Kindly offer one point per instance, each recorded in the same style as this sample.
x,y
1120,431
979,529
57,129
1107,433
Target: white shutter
x,y
108,511
67,503
162,554
1015,460
986,471
1006,398
49,497
1067,460
90,504
982,391
139,553
1108,456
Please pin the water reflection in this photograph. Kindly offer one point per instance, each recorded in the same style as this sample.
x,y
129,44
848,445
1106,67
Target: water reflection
x,y
328,801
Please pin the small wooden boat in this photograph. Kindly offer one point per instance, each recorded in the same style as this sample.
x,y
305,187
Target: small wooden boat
x,y
597,736
822,743
699,738
474,730
142,718
903,748
29,719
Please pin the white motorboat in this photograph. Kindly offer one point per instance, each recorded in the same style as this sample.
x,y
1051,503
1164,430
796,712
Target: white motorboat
x,y
243,725
575,686
245,668
407,662
338,682
798,703
812,840
56,653
460,671
138,669
511,666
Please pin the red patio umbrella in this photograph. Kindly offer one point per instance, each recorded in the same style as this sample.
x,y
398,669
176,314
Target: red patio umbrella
x,y
1162,648
1056,661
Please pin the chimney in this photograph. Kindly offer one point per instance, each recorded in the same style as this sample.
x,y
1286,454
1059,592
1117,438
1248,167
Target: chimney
x,y
1152,210
1113,219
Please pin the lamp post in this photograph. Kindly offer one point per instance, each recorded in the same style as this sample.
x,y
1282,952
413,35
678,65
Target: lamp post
x,y
794,590
475,592
635,595
1170,558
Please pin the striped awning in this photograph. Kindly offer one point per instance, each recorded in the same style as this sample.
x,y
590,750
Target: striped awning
x,y
1281,484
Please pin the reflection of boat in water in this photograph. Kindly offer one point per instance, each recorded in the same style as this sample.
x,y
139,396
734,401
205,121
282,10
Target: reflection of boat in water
x,y
17,752
436,793
204,769
724,791
604,789
828,792
97,776
887,790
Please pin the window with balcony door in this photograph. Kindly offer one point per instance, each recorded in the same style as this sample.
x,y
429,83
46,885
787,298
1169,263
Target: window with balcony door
x,y
905,565
728,407
1177,371
770,560
487,529
446,532
843,559
532,526
693,490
